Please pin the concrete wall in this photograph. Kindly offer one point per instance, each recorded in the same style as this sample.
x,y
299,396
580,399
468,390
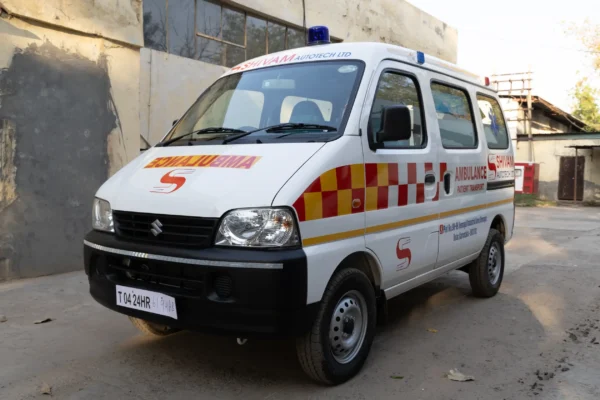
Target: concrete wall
x,y
548,152
166,89
79,97
69,117
390,21
169,84
541,122
120,20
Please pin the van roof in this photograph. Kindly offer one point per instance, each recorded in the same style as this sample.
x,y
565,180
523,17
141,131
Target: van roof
x,y
367,51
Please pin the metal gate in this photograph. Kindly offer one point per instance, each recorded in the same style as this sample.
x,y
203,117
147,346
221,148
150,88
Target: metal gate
x,y
570,178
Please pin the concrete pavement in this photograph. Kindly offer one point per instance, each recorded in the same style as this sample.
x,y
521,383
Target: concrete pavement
x,y
536,339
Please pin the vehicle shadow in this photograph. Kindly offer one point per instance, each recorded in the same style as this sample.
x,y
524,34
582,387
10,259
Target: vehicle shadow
x,y
206,363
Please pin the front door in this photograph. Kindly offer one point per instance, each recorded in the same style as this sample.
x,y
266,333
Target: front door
x,y
570,178
401,179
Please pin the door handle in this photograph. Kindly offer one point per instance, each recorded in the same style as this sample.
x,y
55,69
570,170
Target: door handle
x,y
429,179
447,182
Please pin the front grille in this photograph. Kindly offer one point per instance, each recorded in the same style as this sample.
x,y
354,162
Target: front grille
x,y
182,277
176,230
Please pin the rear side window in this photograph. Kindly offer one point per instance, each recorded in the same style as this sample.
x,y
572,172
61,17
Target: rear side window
x,y
396,89
494,125
453,108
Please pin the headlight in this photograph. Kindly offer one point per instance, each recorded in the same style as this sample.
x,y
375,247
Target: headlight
x,y
261,227
102,218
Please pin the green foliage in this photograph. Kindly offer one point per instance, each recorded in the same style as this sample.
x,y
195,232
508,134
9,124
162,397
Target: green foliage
x,y
585,96
531,200
586,105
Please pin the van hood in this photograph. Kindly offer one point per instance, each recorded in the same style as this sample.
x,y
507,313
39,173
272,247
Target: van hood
x,y
205,181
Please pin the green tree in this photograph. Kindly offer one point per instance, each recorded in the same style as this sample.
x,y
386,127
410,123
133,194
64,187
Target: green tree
x,y
585,96
586,105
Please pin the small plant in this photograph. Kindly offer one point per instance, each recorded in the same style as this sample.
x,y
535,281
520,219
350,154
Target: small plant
x,y
531,200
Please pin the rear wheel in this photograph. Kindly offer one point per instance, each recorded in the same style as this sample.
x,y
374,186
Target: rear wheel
x,y
340,340
152,329
487,271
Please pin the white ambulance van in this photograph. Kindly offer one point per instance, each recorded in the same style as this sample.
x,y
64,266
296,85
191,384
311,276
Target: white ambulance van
x,y
300,192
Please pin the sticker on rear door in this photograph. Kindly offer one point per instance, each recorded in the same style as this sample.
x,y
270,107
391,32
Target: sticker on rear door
x,y
500,167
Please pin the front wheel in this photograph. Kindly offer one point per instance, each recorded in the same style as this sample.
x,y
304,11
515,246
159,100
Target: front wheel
x,y
487,271
339,342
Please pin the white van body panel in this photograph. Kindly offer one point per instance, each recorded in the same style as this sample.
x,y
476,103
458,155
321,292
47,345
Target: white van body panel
x,y
286,174
210,187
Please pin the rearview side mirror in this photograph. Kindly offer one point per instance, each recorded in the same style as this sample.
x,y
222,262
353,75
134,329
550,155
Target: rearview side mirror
x,y
396,124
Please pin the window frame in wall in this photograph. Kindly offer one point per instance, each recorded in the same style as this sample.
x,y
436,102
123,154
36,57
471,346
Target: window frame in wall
x,y
229,47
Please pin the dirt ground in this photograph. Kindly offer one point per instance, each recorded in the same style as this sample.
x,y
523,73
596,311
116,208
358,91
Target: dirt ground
x,y
539,338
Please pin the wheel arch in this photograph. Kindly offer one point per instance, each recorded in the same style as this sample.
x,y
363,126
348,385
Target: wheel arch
x,y
499,224
365,262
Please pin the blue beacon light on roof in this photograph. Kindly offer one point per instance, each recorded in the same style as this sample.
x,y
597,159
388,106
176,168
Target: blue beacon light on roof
x,y
318,35
420,57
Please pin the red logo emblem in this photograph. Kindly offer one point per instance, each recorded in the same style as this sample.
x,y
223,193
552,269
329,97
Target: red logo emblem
x,y
403,253
492,167
172,181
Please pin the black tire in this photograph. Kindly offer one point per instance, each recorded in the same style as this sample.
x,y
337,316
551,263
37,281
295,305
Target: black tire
x,y
314,351
152,329
483,282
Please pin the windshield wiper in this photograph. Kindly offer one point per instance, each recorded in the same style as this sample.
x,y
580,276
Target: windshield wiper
x,y
282,128
205,130
294,126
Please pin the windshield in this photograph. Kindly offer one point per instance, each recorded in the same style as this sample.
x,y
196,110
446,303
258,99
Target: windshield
x,y
312,99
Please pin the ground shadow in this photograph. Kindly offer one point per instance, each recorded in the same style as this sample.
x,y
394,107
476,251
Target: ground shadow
x,y
261,363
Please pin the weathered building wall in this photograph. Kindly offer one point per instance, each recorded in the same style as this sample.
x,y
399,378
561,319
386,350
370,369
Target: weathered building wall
x,y
548,152
169,84
69,117
79,97
120,20
543,124
390,21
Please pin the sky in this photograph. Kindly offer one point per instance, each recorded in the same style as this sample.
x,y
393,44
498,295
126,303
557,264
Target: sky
x,y
512,35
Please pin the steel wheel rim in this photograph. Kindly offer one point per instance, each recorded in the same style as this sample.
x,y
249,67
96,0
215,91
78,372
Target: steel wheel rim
x,y
494,264
348,327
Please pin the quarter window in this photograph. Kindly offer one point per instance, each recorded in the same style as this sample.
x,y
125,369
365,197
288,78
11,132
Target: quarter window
x,y
396,89
455,119
494,125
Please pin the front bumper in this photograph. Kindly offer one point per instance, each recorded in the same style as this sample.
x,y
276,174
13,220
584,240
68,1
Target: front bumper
x,y
242,292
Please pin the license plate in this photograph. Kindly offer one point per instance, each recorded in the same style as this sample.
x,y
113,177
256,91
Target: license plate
x,y
145,300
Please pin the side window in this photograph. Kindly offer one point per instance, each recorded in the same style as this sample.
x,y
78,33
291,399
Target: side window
x,y
494,125
453,108
396,89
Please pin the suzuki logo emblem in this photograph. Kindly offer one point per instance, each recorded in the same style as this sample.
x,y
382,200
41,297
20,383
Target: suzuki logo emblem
x,y
156,225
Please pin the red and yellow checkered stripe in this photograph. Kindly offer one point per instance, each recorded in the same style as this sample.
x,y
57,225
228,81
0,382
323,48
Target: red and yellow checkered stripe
x,y
332,194
357,188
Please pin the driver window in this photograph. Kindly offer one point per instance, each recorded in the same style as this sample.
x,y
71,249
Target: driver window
x,y
395,89
250,101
